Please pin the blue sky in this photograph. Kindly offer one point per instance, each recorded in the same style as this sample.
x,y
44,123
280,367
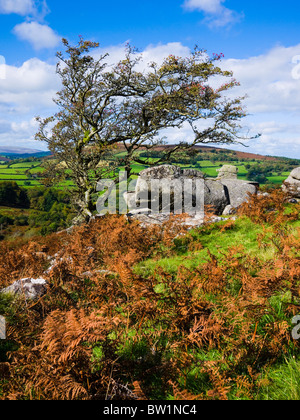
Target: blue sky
x,y
260,41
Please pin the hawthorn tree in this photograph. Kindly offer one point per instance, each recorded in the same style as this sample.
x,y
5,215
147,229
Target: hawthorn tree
x,y
102,106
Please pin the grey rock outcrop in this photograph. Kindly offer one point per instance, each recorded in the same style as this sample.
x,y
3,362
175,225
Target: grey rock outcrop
x,y
178,189
215,195
292,184
169,182
149,219
228,171
228,210
295,173
238,190
29,288
218,193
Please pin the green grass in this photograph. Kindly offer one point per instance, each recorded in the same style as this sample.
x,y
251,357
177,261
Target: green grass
x,y
11,171
243,234
36,169
25,165
211,172
277,179
207,163
281,382
17,171
136,167
33,183
13,177
278,382
242,170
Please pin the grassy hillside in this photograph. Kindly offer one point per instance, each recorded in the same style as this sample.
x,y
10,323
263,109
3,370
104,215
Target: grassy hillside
x,y
28,172
158,314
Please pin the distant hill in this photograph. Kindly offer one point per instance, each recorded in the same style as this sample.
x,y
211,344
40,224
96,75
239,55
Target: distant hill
x,y
10,153
238,154
20,152
211,149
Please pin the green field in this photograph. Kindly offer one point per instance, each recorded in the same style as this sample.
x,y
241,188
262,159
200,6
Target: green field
x,y
27,174
23,173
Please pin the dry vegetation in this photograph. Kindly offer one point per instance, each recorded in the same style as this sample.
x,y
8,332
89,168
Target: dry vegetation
x,y
103,331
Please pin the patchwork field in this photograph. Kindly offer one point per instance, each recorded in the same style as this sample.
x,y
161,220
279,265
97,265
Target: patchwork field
x,y
28,174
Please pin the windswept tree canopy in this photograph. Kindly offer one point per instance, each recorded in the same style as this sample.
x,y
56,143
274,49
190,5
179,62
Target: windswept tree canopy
x,y
102,106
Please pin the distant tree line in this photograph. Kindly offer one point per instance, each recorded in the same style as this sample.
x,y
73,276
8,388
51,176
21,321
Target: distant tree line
x,y
11,195
13,160
49,208
194,157
260,171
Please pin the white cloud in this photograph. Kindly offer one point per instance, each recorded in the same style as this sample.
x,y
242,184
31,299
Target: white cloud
x,y
25,126
216,14
273,99
268,79
159,52
26,93
152,53
24,7
33,75
20,7
207,6
39,36
28,88
20,134
279,137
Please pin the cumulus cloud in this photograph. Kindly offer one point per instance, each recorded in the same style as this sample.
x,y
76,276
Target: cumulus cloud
x,y
20,7
272,86
216,14
152,53
20,134
269,80
207,6
26,93
24,7
28,88
39,36
157,53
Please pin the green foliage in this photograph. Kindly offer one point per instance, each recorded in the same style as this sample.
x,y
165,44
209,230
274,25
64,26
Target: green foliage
x,y
281,382
260,172
52,209
7,309
22,220
5,220
49,210
11,195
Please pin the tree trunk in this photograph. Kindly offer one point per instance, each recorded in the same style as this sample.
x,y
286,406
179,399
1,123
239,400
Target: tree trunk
x,y
86,207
